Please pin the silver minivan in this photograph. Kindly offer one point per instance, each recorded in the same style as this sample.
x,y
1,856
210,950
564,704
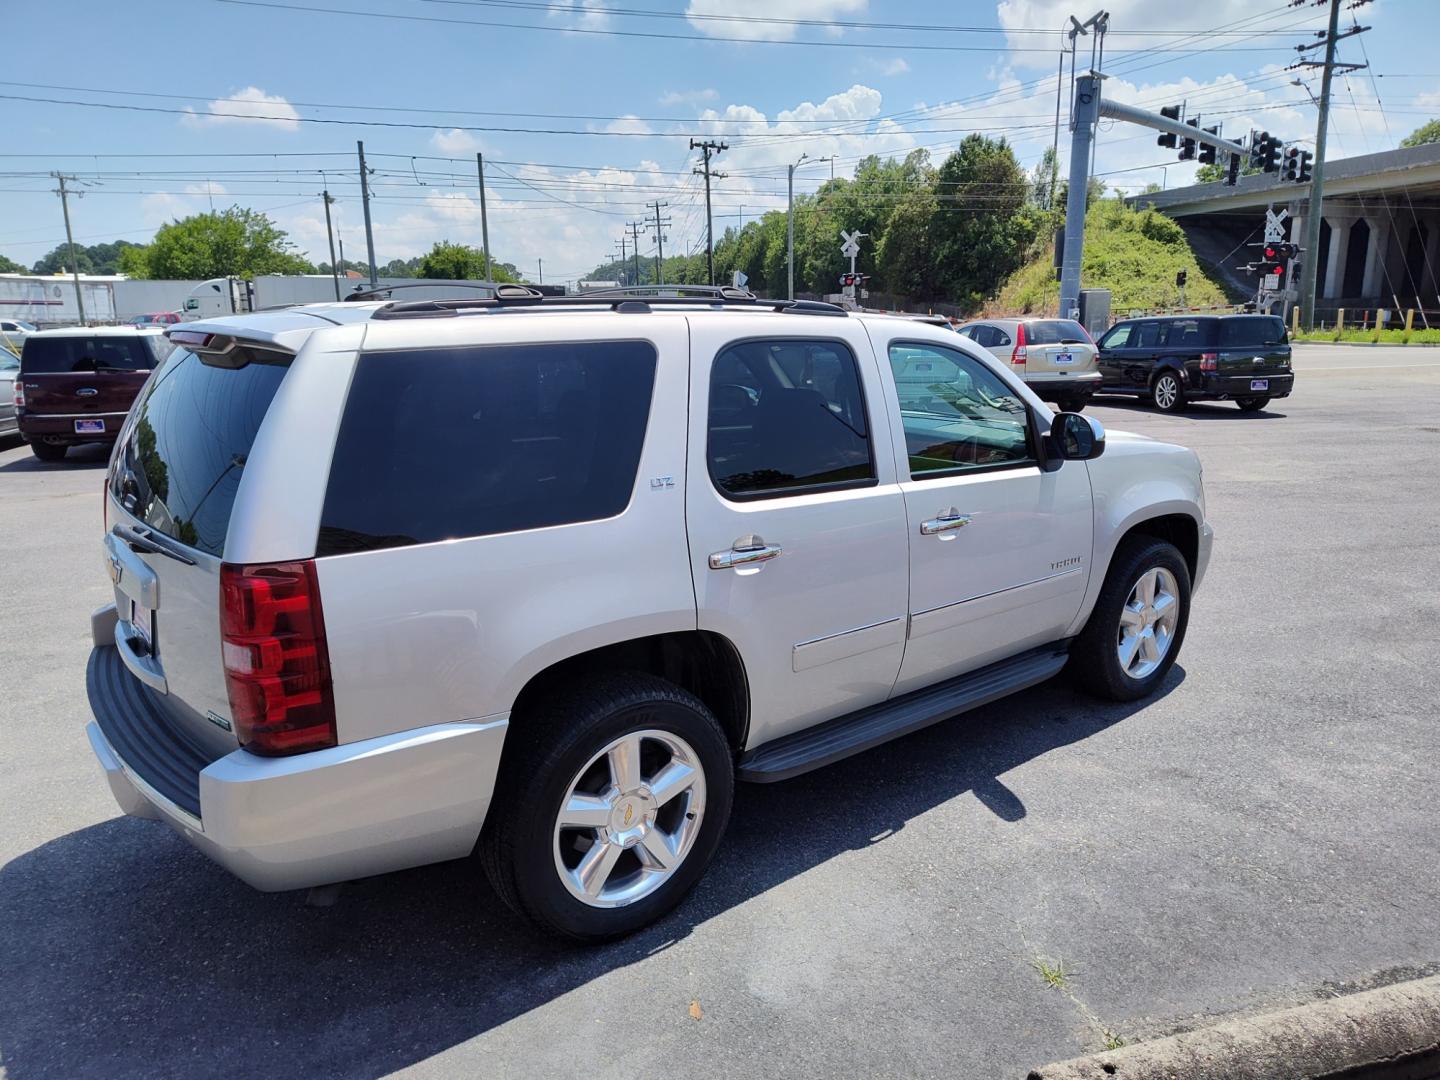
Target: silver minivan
x,y
1056,357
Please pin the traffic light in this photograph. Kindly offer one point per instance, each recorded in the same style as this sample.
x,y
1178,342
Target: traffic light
x,y
1187,146
1208,150
1169,138
1302,174
1259,143
1290,169
1180,278
1272,154
1233,175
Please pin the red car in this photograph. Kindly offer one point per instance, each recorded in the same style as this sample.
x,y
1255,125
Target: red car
x,y
76,385
161,319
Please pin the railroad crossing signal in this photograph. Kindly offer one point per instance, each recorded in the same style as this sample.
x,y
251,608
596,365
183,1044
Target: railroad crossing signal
x,y
851,247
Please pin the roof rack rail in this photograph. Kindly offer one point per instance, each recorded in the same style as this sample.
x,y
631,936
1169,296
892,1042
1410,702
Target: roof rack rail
x,y
376,292
518,296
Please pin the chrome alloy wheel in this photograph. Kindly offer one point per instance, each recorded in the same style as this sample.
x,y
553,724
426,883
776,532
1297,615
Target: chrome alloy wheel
x,y
629,818
1167,391
1147,622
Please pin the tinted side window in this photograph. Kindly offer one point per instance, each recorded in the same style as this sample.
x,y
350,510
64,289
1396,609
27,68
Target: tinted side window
x,y
1148,337
957,413
1118,337
1251,331
57,355
438,444
785,415
181,463
1184,334
1001,338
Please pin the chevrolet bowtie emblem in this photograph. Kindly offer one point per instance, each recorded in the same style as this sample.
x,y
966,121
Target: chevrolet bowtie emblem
x,y
117,570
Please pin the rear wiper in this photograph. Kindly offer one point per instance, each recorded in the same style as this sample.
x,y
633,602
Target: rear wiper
x,y
144,539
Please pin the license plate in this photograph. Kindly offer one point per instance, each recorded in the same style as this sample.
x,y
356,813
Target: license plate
x,y
89,427
1259,384
142,619
1064,358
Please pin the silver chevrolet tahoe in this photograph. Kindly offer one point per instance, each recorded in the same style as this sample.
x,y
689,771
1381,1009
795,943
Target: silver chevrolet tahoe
x,y
539,579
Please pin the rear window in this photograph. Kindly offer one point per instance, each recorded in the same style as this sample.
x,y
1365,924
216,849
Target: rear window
x,y
1248,331
63,355
1055,332
439,444
180,465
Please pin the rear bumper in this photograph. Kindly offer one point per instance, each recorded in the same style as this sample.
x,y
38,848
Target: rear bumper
x,y
45,427
1238,386
1050,387
350,811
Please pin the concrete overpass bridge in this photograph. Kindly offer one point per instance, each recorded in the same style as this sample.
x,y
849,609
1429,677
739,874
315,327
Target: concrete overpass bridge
x,y
1379,234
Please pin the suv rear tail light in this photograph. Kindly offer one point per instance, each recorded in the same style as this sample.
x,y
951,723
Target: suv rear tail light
x,y
277,666
1209,361
19,393
1018,356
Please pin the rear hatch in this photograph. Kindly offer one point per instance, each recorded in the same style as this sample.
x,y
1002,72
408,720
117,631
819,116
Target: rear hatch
x,y
1057,347
172,485
84,376
1251,345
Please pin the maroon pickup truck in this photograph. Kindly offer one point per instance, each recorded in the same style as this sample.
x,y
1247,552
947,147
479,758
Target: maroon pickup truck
x,y
76,385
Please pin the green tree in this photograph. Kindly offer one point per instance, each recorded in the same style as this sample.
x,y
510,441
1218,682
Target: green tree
x,y
8,266
460,261
1213,174
58,261
1426,133
134,262
982,232
237,242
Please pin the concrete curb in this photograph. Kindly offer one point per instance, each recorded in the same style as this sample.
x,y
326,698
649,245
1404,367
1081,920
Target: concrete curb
x,y
1391,1032
1372,344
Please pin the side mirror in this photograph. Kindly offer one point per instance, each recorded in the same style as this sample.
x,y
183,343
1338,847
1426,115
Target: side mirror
x,y
1076,437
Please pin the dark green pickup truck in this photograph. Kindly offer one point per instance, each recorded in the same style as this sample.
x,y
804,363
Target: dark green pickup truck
x,y
1174,359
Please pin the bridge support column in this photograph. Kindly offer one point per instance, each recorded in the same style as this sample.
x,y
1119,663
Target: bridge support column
x,y
1430,284
1374,281
1335,257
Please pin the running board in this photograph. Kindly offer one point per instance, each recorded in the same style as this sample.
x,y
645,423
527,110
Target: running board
x,y
835,740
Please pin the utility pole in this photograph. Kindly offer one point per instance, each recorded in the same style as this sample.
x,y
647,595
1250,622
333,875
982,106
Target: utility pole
x,y
365,198
330,233
790,230
660,242
634,227
1309,265
70,240
707,147
541,263
484,221
624,254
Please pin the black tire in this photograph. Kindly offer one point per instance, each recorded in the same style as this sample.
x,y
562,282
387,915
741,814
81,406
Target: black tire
x,y
1074,404
1167,392
49,451
1252,404
546,748
1094,662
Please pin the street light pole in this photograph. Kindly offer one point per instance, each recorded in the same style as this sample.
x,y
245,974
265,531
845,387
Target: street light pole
x,y
790,232
330,233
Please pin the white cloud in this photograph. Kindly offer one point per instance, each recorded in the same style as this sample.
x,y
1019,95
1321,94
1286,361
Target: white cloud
x,y
248,106
896,65
629,125
455,141
688,97
824,11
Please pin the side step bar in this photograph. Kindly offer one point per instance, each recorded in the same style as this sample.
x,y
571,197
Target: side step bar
x,y
837,739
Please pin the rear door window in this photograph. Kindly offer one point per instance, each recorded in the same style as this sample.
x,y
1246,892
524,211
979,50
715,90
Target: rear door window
x,y
1185,333
787,415
1251,331
180,465
1148,336
66,355
1054,332
438,444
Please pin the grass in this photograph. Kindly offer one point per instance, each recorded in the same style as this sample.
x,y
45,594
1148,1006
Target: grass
x,y
1133,253
1112,1041
1055,974
1372,336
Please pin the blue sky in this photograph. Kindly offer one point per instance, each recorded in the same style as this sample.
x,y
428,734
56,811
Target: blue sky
x,y
445,84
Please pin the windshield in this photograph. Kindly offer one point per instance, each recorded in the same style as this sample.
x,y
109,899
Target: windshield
x,y
80,353
1055,332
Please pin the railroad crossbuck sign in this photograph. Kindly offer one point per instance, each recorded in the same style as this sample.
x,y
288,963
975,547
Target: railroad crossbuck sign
x,y
1274,226
851,247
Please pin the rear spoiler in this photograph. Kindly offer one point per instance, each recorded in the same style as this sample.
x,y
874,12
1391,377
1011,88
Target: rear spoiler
x,y
228,351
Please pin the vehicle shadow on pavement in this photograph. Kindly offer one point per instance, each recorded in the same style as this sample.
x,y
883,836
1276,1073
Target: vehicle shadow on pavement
x,y
84,457
1196,410
127,953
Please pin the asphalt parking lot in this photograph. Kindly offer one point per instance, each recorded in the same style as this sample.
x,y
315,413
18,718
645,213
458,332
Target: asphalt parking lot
x,y
1261,833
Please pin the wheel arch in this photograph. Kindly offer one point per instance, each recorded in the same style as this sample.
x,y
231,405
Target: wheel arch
x,y
1171,363
705,663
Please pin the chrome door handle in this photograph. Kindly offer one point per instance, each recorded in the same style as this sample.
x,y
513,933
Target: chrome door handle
x,y
746,550
947,521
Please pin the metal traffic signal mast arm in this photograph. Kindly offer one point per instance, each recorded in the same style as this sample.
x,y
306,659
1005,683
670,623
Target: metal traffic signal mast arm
x,y
1089,107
